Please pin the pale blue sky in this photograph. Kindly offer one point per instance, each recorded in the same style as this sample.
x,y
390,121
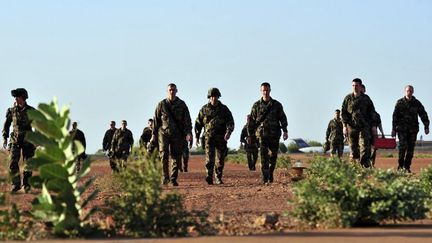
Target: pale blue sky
x,y
112,60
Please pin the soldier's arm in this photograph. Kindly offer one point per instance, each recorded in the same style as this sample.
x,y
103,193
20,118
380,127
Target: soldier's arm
x,y
251,125
283,119
346,117
423,115
199,124
395,121
187,121
6,127
230,121
328,131
243,135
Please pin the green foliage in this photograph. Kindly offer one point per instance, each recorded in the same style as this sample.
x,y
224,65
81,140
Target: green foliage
x,y
61,202
238,158
140,209
293,148
426,182
313,143
422,156
388,155
283,148
12,226
338,194
284,161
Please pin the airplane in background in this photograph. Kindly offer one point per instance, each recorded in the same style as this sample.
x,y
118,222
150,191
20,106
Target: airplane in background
x,y
304,147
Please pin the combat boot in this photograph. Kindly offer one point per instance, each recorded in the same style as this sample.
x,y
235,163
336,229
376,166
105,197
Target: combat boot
x,y
174,183
219,181
166,181
185,169
16,183
26,183
209,180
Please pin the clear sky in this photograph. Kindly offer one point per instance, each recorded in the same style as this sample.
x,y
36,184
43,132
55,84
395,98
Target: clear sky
x,y
112,60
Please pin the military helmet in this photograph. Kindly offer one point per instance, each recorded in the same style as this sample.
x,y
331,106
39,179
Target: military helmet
x,y
213,92
20,92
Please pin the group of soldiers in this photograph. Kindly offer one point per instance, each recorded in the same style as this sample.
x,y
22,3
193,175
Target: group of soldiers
x,y
358,123
170,133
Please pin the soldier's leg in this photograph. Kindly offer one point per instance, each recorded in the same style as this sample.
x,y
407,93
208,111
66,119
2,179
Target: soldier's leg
x,y
164,157
113,163
365,148
274,148
333,149
210,159
176,148
28,152
221,151
412,138
254,152
249,156
14,171
185,158
354,144
265,160
403,145
340,150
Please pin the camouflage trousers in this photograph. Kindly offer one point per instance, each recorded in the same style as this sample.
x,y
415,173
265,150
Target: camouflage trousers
x,y
183,163
337,147
407,142
215,146
360,145
252,155
170,145
118,160
269,148
28,151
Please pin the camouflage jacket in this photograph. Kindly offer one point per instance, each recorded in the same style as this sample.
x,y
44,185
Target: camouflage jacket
x,y
145,136
18,117
216,120
405,115
358,112
244,136
269,126
122,140
334,133
172,118
79,136
106,143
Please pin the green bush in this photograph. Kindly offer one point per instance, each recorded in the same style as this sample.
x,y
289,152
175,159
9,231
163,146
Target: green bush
x,y
283,148
61,203
338,194
238,158
293,148
140,209
284,161
313,143
426,182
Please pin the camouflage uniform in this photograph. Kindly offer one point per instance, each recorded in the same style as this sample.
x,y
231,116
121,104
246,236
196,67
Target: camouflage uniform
x,y
79,136
358,115
18,117
335,137
217,121
405,123
106,145
172,123
121,147
373,149
268,131
185,158
145,137
251,149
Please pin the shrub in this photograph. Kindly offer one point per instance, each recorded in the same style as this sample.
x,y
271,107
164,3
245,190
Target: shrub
x,y
338,194
238,158
61,202
313,143
140,209
283,148
293,148
284,162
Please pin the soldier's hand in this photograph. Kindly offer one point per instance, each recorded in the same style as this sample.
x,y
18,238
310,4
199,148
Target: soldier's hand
x,y
5,143
188,137
393,133
285,136
227,136
427,131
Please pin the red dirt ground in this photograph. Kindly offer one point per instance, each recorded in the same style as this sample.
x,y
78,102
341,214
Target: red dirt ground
x,y
233,206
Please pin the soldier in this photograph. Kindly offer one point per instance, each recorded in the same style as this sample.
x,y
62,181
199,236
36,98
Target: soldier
x,y
18,117
121,146
251,149
267,120
146,134
219,124
78,135
106,143
377,125
334,135
358,117
172,125
406,126
185,156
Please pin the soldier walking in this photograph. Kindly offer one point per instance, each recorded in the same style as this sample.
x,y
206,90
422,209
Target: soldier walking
x,y
172,126
406,126
334,135
17,116
146,135
218,123
121,146
267,120
251,149
358,117
78,135
106,143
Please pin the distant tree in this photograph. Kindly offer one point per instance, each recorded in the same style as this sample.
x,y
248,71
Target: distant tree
x,y
293,148
313,143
